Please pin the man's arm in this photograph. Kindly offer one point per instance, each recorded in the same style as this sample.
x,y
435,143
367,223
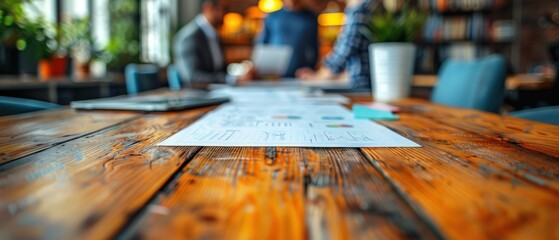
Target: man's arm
x,y
348,41
358,13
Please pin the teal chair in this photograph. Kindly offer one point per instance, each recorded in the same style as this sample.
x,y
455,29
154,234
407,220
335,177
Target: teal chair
x,y
141,77
173,78
542,114
478,84
11,105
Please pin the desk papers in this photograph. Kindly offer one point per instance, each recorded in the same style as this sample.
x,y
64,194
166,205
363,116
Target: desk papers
x,y
286,125
279,95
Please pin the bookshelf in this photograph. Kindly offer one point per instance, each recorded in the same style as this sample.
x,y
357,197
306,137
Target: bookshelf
x,y
464,29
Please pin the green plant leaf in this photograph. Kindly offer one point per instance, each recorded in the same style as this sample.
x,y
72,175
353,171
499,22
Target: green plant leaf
x,y
394,27
21,44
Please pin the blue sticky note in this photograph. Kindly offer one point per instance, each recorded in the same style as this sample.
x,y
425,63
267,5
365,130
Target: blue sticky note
x,y
363,112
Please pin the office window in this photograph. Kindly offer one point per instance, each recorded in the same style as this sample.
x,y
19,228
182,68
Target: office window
x,y
100,22
75,9
156,31
41,8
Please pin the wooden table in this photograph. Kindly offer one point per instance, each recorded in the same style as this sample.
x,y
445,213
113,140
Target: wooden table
x,y
512,83
68,174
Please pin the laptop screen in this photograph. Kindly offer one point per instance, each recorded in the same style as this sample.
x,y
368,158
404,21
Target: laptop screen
x,y
271,60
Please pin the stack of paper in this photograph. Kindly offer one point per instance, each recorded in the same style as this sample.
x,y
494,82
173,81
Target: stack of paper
x,y
293,125
284,95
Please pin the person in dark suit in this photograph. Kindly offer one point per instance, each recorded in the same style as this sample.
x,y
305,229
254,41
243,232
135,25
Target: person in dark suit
x,y
197,49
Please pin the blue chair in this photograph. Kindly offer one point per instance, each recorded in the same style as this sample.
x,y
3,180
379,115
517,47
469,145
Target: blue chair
x,y
11,105
173,77
478,84
141,77
542,114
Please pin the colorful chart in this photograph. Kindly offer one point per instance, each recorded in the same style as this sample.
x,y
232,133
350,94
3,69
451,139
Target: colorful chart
x,y
336,125
292,117
332,118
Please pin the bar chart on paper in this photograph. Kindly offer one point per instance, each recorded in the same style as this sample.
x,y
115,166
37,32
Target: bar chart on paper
x,y
238,125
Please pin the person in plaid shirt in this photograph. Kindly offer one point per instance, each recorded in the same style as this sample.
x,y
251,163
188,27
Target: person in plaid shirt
x,y
351,50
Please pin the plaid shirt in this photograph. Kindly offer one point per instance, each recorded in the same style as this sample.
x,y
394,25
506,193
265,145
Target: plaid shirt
x,y
351,50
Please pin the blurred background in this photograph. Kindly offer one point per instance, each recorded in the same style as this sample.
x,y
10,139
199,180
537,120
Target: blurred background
x,y
84,45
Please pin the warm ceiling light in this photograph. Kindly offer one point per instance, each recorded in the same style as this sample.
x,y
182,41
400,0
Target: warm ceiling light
x,y
232,21
331,19
254,13
270,5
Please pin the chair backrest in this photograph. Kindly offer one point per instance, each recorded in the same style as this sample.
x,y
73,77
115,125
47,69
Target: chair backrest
x,y
11,105
478,84
173,77
141,77
543,114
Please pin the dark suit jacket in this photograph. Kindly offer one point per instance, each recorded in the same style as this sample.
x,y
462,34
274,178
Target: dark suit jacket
x,y
193,58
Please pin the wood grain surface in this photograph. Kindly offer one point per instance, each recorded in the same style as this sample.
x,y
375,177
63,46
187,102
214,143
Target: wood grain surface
x,y
284,193
98,175
90,187
24,134
536,136
461,178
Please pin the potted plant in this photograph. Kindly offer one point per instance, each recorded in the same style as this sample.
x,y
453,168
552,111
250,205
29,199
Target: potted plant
x,y
37,49
30,38
9,55
12,39
392,53
77,40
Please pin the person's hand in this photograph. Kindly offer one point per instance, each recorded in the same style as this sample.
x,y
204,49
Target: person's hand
x,y
309,74
242,72
304,73
250,74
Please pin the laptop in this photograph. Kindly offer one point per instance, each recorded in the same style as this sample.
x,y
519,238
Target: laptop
x,y
271,60
151,103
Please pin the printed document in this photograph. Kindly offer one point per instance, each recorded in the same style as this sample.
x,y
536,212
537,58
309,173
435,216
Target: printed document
x,y
283,95
262,125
